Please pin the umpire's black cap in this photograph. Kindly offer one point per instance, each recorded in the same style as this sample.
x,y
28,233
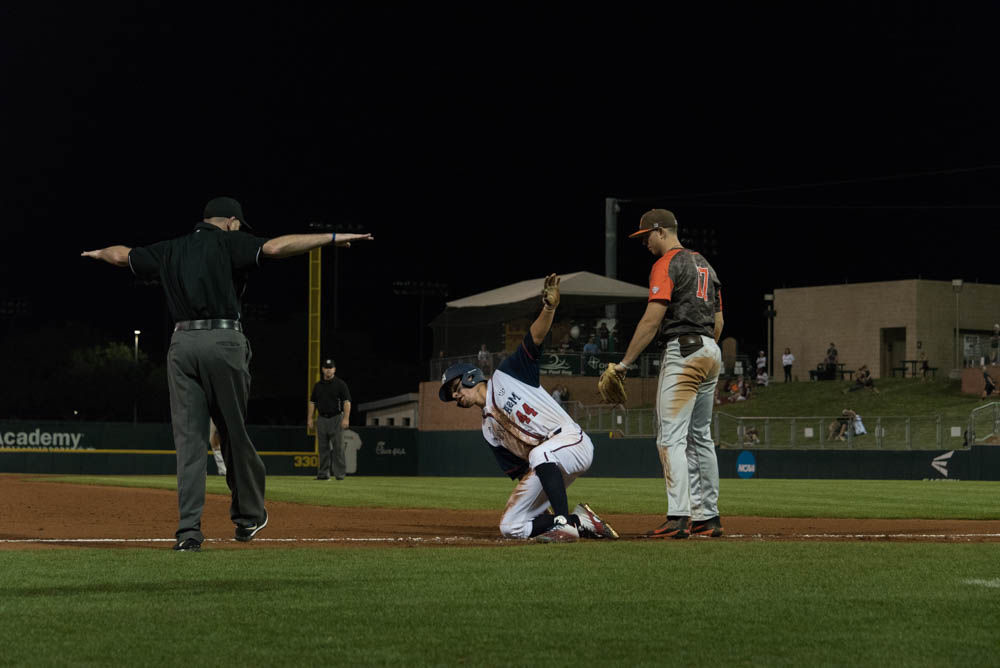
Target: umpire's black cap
x,y
328,363
225,207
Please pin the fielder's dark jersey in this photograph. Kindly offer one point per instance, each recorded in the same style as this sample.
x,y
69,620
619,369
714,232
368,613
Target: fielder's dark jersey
x,y
685,279
203,273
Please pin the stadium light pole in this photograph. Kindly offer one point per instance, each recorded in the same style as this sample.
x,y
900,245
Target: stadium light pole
x,y
769,313
135,398
956,285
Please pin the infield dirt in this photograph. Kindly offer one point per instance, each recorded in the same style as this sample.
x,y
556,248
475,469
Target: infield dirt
x,y
40,514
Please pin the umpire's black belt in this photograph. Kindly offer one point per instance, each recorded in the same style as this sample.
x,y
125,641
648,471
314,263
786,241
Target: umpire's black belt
x,y
329,415
208,324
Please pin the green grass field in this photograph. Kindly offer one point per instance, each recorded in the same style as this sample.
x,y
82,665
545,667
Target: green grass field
x,y
897,396
767,498
697,602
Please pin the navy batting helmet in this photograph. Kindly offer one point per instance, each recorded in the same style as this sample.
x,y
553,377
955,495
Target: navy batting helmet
x,y
470,374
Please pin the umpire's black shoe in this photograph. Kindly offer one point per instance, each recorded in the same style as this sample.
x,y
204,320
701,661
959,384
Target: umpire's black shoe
x,y
322,477
246,533
188,545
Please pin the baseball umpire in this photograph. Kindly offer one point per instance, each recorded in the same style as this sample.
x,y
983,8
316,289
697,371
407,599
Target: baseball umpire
x,y
685,309
203,275
533,438
332,399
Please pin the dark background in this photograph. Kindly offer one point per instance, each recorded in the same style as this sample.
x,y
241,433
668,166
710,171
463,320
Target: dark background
x,y
816,143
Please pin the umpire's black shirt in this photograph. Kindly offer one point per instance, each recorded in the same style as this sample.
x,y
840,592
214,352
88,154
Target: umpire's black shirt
x,y
329,396
203,273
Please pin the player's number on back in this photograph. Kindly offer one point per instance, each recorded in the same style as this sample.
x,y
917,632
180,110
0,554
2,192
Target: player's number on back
x,y
531,412
702,283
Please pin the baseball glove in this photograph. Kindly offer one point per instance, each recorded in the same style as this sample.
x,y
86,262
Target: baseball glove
x,y
550,292
611,385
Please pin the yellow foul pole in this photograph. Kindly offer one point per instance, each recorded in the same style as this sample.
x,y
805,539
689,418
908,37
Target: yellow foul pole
x,y
315,267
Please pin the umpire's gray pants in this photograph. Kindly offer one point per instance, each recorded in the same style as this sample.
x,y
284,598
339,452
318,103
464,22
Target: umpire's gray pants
x,y
330,438
208,376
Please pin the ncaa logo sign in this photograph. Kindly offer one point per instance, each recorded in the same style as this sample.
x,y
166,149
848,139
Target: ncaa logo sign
x,y
746,465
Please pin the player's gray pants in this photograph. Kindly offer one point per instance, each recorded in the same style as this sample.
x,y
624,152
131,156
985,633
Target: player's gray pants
x,y
684,402
330,440
208,376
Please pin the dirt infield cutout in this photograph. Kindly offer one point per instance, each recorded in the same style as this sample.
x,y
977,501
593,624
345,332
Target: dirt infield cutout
x,y
53,515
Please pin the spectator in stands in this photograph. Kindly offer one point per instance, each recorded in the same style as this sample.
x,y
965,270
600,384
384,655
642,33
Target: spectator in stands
x,y
862,379
995,344
564,345
831,361
557,393
925,367
990,384
838,428
786,361
762,377
761,360
591,347
604,337
751,435
565,393
485,359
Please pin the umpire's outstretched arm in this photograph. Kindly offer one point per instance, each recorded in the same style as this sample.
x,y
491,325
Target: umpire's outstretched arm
x,y
294,244
279,247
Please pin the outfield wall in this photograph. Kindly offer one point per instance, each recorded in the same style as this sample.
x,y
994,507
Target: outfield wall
x,y
147,449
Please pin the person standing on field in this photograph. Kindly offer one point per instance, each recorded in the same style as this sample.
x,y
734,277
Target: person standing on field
x,y
332,399
685,311
203,275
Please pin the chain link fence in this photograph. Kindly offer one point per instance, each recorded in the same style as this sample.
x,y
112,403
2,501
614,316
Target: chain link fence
x,y
984,425
883,432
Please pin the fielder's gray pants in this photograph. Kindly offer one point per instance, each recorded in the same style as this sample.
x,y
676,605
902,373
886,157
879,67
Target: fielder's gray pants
x,y
331,446
208,376
685,399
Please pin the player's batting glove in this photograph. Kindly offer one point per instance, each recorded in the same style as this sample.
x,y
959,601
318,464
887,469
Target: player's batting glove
x,y
611,384
550,292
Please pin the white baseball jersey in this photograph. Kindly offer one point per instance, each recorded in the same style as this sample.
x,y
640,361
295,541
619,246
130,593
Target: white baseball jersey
x,y
519,413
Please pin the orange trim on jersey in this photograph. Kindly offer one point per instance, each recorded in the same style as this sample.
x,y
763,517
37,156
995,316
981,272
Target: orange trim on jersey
x,y
661,288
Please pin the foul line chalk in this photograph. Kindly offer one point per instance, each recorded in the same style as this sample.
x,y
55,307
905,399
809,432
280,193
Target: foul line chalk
x,y
992,584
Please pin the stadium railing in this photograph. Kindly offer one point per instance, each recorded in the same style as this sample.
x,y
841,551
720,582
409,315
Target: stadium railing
x,y
884,432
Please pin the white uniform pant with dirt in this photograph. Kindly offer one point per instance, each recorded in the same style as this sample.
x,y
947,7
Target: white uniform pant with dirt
x,y
684,402
572,451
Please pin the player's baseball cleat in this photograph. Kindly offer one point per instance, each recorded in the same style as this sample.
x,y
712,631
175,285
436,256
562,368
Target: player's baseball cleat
x,y
246,533
561,532
188,545
710,527
322,477
592,526
674,527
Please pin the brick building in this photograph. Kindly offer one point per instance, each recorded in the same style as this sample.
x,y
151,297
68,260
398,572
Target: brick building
x,y
882,324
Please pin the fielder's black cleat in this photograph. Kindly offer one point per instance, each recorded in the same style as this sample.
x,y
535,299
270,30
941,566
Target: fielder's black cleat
x,y
674,527
710,527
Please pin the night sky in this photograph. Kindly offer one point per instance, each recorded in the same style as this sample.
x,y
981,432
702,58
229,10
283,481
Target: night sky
x,y
821,143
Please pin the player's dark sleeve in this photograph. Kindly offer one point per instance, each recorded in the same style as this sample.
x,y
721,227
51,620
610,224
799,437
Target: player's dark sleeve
x,y
245,249
145,260
510,464
523,364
